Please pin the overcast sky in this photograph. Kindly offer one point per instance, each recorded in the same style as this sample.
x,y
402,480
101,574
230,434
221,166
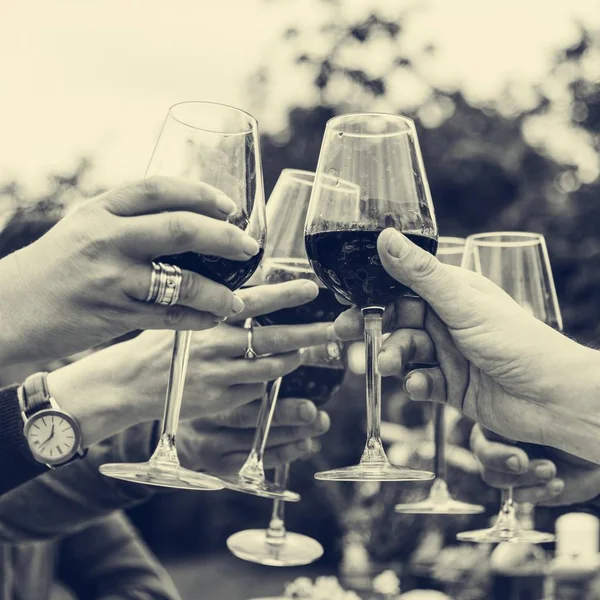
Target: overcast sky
x,y
96,77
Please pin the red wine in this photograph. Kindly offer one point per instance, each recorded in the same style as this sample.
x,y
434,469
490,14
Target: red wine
x,y
316,383
347,262
231,273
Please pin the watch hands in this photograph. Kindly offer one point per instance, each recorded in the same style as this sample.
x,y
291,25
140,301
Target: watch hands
x,y
51,436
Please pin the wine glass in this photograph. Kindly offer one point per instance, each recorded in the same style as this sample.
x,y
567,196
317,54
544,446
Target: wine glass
x,y
440,502
380,154
518,262
286,260
216,144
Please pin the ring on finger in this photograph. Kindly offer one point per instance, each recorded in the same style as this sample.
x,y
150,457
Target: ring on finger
x,y
249,351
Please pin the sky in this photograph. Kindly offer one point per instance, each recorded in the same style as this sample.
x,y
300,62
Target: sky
x,y
96,77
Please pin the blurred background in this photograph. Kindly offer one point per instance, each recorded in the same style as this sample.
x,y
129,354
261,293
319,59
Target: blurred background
x,y
506,98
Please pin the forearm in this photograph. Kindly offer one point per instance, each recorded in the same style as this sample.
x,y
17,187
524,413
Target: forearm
x,y
68,499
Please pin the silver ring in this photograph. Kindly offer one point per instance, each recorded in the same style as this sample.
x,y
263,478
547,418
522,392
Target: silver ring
x,y
250,354
165,284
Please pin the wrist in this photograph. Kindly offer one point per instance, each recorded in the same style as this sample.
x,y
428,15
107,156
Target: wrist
x,y
90,390
573,419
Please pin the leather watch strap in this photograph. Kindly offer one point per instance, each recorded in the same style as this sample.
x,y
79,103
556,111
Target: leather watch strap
x,y
35,393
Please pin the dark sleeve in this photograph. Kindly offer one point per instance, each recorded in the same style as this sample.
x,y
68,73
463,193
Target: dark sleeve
x,y
17,464
109,561
66,500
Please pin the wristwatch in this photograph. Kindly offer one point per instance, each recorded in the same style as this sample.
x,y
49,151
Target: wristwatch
x,y
53,435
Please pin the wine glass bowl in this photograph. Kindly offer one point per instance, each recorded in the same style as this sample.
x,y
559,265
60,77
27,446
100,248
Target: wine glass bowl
x,y
379,181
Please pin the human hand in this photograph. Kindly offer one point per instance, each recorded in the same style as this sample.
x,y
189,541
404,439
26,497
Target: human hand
x,y
221,443
493,361
538,474
125,384
86,280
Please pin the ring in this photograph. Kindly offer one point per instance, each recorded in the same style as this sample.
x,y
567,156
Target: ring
x,y
249,353
165,284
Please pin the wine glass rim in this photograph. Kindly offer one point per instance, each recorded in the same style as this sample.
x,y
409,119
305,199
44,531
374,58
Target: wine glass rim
x,y
298,175
407,121
252,122
528,239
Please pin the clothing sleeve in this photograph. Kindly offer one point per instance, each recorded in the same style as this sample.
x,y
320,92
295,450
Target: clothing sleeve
x,y
17,464
109,561
66,500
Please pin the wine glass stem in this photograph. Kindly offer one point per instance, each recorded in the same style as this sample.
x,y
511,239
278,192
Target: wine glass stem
x,y
253,468
276,532
166,452
507,519
373,452
439,441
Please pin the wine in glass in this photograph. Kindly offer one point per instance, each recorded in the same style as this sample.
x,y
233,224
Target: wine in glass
x,y
380,154
317,378
218,145
517,262
440,502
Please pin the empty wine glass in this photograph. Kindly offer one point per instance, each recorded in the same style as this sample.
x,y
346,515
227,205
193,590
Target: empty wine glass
x,y
440,502
218,145
286,260
380,154
518,262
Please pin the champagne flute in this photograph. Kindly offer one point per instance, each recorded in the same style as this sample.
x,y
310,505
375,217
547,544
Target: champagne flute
x,y
380,154
518,262
321,372
216,144
440,502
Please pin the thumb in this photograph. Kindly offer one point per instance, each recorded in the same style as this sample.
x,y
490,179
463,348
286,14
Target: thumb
x,y
422,273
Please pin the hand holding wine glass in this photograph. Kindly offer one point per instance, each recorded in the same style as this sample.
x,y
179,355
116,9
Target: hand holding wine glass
x,y
497,363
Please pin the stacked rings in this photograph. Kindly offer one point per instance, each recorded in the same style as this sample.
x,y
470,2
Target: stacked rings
x,y
165,284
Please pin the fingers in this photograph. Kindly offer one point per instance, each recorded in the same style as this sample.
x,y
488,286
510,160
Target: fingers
x,y
288,412
451,297
403,347
179,318
405,312
426,384
197,292
257,371
276,339
496,456
265,299
539,472
548,494
158,193
150,236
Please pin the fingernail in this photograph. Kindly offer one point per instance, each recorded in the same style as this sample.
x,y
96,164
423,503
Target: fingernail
x,y
396,244
309,289
323,421
514,464
250,246
226,205
218,319
307,412
544,471
303,445
410,385
556,486
237,305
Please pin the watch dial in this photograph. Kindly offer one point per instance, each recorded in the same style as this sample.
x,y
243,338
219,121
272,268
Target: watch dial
x,y
52,437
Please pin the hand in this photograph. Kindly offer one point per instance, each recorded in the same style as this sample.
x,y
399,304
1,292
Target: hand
x,y
86,280
221,443
494,361
539,474
125,384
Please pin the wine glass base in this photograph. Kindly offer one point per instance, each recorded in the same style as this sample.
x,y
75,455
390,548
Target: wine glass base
x,y
165,476
293,550
447,506
496,535
374,472
258,487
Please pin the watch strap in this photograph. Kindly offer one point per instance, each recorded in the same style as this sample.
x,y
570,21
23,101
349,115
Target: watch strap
x,y
35,393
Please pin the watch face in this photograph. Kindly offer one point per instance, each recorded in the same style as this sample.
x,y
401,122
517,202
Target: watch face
x,y
51,437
